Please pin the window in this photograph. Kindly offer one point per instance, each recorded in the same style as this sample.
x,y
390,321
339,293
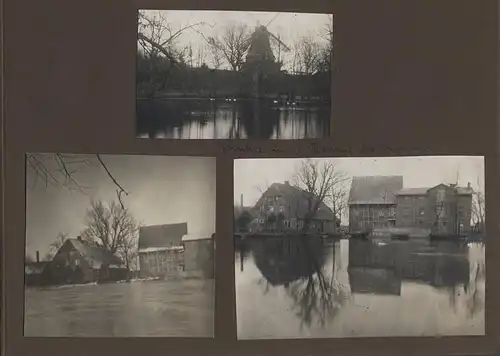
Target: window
x,y
421,211
77,262
282,209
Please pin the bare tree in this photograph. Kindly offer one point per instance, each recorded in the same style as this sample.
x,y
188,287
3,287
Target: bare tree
x,y
307,56
318,179
112,227
232,45
478,207
201,55
338,200
216,54
62,170
158,51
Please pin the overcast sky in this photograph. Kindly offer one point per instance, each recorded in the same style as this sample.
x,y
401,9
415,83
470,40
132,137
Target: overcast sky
x,y
162,190
252,175
289,27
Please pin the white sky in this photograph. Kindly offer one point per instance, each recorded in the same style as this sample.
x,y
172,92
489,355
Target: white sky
x,y
289,27
162,190
252,175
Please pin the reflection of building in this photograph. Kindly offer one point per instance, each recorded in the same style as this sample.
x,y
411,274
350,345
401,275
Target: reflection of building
x,y
285,207
160,250
444,209
441,265
80,261
380,281
284,260
372,202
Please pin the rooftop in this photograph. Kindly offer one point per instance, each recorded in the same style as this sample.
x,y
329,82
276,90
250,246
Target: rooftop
x,y
375,189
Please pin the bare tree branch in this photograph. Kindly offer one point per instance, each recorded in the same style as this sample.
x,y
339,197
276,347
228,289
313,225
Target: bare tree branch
x,y
113,228
233,45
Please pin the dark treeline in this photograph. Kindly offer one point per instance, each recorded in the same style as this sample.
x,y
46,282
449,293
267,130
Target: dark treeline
x,y
231,64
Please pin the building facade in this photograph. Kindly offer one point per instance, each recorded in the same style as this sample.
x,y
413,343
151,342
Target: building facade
x,y
160,250
443,209
198,255
79,261
372,202
286,208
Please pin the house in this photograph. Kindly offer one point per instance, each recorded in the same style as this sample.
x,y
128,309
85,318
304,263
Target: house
x,y
34,271
160,250
243,217
198,255
443,209
80,261
284,207
372,202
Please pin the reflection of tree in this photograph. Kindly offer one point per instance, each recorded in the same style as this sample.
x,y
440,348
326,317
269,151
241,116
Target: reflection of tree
x,y
297,264
316,298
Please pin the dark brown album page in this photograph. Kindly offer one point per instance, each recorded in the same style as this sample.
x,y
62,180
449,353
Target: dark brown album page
x,y
326,189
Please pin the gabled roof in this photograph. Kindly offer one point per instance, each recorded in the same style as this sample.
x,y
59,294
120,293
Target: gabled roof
x,y
161,235
94,254
375,189
425,190
297,197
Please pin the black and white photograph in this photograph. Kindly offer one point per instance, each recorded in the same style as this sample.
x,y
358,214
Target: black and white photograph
x,y
233,74
359,247
119,246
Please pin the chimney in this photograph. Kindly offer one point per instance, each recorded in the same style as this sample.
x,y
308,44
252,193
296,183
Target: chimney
x,y
241,200
287,182
37,256
468,185
79,238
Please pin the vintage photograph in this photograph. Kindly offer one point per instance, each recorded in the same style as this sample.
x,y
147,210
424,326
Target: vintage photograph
x,y
119,246
233,75
359,247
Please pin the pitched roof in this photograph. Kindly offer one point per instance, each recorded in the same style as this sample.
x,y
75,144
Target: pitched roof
x,y
94,254
161,235
375,189
424,190
298,197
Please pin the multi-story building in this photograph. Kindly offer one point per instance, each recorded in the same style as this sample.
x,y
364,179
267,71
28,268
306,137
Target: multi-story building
x,y
372,202
443,209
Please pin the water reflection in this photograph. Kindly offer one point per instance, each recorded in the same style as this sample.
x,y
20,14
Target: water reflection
x,y
223,119
325,288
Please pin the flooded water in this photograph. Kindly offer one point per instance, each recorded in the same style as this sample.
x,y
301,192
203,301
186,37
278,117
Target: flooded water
x,y
223,119
314,288
183,308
